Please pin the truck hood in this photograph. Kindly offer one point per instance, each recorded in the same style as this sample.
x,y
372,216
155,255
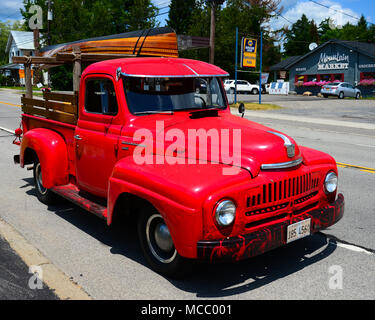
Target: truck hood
x,y
253,144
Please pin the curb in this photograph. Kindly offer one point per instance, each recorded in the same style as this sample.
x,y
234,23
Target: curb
x,y
53,277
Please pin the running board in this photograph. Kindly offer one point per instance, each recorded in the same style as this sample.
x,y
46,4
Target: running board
x,y
73,194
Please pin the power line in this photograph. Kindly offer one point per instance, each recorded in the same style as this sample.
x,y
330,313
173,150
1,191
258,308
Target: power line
x,y
336,10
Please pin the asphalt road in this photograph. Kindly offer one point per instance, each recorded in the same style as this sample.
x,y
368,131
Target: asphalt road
x,y
337,263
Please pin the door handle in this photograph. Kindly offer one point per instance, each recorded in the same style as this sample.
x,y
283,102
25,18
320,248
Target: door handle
x,y
77,137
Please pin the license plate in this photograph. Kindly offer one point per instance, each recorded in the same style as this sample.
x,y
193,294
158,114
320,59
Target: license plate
x,y
298,230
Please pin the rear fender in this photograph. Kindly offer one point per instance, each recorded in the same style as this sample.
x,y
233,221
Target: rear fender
x,y
52,153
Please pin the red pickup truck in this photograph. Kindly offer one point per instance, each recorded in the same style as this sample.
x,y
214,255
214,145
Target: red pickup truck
x,y
203,183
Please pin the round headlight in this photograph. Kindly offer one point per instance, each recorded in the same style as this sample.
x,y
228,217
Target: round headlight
x,y
330,182
225,213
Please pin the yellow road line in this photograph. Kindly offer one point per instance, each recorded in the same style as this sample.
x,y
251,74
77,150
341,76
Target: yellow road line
x,y
364,169
371,171
11,104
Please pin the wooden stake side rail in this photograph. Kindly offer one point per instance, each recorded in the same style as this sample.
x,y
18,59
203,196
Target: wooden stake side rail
x,y
55,106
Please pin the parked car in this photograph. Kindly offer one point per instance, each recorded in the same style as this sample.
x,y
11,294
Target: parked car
x,y
267,85
340,90
106,150
243,86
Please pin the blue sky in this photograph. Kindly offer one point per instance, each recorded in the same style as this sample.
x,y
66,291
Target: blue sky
x,y
293,10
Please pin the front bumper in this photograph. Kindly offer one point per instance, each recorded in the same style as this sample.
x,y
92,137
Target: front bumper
x,y
262,240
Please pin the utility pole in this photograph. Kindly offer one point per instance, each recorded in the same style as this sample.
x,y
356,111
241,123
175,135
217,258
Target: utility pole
x,y
214,4
49,19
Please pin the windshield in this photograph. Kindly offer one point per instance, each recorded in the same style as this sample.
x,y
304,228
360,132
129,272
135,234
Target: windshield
x,y
148,95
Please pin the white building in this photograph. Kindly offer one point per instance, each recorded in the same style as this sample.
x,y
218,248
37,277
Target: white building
x,y
18,43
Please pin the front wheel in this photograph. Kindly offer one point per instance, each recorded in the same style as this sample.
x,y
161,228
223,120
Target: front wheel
x,y
44,195
157,246
358,95
255,91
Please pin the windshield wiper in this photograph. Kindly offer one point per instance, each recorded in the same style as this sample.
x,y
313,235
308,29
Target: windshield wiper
x,y
201,109
153,112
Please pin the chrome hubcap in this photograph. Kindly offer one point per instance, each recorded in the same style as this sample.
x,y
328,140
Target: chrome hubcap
x,y
39,179
159,239
163,237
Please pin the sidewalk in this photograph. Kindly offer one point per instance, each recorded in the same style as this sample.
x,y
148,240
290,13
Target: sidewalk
x,y
17,258
16,282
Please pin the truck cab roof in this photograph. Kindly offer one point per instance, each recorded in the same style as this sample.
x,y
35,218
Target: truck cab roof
x,y
157,67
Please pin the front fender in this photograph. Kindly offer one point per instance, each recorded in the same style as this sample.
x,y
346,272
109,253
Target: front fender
x,y
52,153
178,192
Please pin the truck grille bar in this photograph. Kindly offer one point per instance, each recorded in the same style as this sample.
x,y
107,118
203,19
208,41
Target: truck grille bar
x,y
283,189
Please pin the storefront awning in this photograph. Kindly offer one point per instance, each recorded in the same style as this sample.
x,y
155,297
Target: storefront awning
x,y
11,66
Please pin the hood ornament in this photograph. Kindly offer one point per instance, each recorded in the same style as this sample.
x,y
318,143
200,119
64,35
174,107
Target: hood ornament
x,y
290,147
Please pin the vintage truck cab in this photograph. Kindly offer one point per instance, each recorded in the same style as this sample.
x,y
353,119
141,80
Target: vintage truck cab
x,y
202,183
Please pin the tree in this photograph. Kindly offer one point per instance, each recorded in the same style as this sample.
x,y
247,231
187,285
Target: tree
x,y
180,15
299,36
248,16
81,19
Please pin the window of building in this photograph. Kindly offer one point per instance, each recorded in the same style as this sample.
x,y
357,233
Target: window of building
x,y
367,75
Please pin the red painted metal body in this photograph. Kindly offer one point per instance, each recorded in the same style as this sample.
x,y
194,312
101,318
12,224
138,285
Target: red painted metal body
x,y
184,194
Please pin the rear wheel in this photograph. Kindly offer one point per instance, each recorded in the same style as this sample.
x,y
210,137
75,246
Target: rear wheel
x,y
341,95
157,245
255,91
44,195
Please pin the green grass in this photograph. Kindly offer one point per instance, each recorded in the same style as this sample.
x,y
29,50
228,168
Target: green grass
x,y
18,88
257,106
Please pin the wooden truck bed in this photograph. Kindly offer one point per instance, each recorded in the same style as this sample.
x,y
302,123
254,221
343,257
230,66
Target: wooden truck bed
x,y
62,107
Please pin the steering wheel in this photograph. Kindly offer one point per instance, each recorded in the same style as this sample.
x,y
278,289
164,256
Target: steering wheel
x,y
204,105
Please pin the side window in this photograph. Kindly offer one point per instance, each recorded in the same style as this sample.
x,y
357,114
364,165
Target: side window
x,y
100,97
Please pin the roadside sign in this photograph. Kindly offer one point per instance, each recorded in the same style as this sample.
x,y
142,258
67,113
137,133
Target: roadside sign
x,y
249,53
21,73
264,78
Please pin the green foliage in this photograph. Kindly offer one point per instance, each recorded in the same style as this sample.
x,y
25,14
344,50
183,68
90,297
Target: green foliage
x,y
76,19
301,34
247,15
304,31
81,19
180,15
62,78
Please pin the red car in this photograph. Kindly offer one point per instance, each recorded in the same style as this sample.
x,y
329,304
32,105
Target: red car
x,y
202,183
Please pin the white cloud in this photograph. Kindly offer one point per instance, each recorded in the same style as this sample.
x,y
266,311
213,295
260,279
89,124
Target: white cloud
x,y
10,10
316,12
161,3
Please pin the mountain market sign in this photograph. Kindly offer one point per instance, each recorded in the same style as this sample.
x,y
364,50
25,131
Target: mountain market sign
x,y
333,62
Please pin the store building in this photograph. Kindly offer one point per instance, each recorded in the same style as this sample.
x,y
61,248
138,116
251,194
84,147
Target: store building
x,y
335,60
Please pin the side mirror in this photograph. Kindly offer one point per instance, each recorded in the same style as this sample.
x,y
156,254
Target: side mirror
x,y
241,109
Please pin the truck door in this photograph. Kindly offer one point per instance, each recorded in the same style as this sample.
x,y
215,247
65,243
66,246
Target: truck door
x,y
97,134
